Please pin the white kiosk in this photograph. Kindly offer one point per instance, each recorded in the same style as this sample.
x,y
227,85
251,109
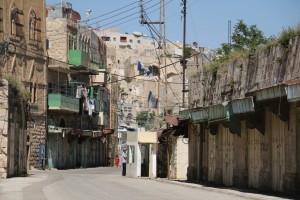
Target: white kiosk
x,y
141,154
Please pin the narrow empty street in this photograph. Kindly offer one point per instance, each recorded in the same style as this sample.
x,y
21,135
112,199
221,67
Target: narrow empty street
x,y
107,183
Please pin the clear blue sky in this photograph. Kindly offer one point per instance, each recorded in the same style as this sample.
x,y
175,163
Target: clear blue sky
x,y
207,21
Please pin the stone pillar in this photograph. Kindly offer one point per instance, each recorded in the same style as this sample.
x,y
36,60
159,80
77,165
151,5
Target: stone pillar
x,y
37,135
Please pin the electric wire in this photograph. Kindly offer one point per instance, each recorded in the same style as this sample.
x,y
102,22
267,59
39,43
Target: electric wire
x,y
110,23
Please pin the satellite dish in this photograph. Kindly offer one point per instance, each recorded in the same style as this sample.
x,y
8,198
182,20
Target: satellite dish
x,y
195,44
137,34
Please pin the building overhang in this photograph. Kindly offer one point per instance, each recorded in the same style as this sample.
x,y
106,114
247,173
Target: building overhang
x,y
293,92
62,69
240,106
184,114
199,115
269,93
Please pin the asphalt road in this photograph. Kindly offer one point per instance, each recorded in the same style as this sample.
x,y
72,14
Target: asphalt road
x,y
107,183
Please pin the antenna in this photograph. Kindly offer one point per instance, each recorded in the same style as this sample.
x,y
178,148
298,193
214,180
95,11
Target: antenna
x,y
229,32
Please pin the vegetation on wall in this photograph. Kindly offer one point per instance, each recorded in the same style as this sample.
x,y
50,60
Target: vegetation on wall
x,y
246,40
21,93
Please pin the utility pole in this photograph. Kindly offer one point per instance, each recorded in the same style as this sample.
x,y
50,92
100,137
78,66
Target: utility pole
x,y
183,55
161,30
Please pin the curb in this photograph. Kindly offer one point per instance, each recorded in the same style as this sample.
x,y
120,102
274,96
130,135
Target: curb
x,y
228,191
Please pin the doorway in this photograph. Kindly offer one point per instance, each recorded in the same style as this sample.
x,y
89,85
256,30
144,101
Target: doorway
x,y
145,160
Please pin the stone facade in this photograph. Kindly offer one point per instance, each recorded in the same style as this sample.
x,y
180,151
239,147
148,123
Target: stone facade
x,y
4,131
24,24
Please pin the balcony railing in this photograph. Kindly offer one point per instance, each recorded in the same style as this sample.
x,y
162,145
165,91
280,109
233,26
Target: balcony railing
x,y
79,58
58,101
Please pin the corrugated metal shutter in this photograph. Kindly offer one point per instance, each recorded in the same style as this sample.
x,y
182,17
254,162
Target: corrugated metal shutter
x,y
270,93
293,92
184,114
200,115
218,112
242,105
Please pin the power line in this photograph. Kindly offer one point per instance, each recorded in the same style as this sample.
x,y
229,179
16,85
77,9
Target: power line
x,y
117,20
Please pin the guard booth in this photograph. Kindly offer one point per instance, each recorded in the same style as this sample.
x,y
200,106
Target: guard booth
x,y
141,154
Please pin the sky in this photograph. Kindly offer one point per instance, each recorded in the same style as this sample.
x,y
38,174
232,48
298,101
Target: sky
x,y
207,21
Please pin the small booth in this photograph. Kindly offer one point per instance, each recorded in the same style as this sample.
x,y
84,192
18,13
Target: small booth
x,y
141,154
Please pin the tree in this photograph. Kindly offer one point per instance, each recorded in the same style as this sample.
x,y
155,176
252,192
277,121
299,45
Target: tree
x,y
244,38
247,38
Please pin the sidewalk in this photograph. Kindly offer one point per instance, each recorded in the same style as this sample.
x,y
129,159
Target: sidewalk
x,y
239,192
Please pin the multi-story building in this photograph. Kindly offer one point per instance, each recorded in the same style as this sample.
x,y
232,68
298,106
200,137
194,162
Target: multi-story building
x,y
23,65
78,100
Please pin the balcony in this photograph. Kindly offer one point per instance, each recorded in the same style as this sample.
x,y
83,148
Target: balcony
x,y
80,59
61,102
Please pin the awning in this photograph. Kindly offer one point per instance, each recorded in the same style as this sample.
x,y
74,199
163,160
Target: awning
x,y
219,112
184,114
199,115
87,133
293,92
54,129
244,105
108,131
97,133
172,120
271,92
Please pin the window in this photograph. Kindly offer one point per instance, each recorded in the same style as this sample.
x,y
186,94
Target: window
x,y
73,41
123,39
105,38
1,19
139,41
33,93
130,40
16,17
114,39
34,27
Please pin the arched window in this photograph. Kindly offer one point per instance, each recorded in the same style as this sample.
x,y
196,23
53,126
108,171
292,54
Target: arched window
x,y
32,25
35,29
16,27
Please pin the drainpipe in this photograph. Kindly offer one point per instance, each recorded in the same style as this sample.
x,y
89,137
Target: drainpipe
x,y
46,113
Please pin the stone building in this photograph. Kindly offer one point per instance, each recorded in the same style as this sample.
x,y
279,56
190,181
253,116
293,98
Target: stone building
x,y
77,97
124,52
243,121
22,27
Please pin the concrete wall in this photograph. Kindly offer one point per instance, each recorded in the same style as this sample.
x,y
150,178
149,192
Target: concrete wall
x,y
179,159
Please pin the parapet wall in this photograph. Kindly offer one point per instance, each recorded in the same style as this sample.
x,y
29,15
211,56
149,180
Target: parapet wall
x,y
269,67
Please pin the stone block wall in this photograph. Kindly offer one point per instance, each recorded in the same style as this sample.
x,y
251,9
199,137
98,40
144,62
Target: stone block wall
x,y
268,67
3,129
37,135
57,35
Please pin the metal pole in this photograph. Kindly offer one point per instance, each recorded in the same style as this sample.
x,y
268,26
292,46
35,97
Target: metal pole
x,y
183,54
